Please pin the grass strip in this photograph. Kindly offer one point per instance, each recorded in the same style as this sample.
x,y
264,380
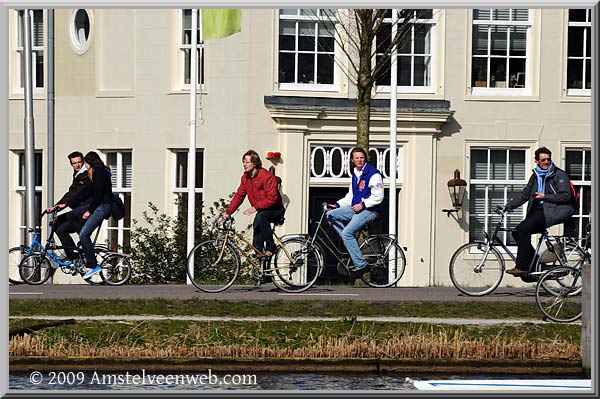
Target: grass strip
x,y
298,340
174,307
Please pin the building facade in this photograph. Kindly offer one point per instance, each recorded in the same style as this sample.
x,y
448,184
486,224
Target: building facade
x,y
478,91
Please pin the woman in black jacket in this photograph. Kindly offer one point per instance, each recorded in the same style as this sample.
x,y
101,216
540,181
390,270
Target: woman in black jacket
x,y
100,193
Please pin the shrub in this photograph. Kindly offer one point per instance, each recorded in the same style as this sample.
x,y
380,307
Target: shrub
x,y
159,244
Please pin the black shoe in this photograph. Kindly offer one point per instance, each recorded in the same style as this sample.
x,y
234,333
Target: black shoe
x,y
357,273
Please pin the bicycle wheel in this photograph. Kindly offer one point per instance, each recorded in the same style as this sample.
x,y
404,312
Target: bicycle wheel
x,y
566,306
35,269
15,256
386,259
297,265
571,255
213,265
467,275
116,269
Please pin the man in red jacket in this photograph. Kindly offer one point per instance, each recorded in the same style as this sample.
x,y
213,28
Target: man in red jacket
x,y
260,186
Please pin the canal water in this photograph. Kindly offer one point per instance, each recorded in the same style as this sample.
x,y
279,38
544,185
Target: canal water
x,y
170,380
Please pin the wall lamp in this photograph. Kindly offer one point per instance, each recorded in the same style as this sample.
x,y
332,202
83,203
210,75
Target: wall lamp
x,y
456,188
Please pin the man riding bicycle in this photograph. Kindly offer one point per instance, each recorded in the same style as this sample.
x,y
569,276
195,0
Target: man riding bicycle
x,y
361,205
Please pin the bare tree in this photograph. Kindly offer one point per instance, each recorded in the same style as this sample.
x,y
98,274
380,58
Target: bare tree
x,y
364,36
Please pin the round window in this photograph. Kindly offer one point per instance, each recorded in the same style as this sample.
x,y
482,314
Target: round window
x,y
81,30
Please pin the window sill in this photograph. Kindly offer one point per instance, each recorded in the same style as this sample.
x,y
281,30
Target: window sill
x,y
576,96
501,96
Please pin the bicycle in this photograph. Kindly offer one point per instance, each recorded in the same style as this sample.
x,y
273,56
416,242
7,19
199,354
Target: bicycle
x,y
385,257
477,268
214,264
40,262
566,305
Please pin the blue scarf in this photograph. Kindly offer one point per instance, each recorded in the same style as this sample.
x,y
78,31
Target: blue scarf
x,y
542,174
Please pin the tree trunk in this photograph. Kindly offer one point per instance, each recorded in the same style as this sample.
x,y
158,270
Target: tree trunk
x,y
364,80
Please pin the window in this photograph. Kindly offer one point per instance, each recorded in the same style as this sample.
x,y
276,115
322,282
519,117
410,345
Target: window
x,y
120,164
80,28
578,165
180,189
331,163
306,49
579,55
185,48
414,53
37,47
22,201
499,50
497,174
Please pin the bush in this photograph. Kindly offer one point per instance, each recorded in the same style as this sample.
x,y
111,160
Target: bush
x,y
159,246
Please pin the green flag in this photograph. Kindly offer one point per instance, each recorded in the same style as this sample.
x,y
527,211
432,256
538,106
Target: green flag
x,y
220,23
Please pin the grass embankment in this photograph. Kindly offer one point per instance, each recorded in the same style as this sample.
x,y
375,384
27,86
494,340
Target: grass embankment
x,y
344,340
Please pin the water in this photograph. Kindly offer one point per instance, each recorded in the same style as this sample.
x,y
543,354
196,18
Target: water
x,y
193,380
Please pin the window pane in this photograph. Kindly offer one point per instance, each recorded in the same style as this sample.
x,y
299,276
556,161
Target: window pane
x,y
311,12
498,164
383,76
286,68
575,46
586,204
111,162
588,165
577,15
424,14
575,74
479,73
574,164
404,71
199,169
287,35
479,164
479,14
518,41
588,42
38,28
306,73
517,72
588,74
516,165
496,196
325,41
501,14
383,37
498,38
39,69
127,170
292,11
520,14
306,36
422,71
181,170
480,40
498,72
325,69
422,39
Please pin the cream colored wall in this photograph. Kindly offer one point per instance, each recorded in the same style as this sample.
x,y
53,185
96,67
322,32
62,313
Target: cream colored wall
x,y
546,122
110,105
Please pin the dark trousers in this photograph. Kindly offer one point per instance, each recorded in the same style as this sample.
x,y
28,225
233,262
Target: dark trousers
x,y
68,223
535,222
263,235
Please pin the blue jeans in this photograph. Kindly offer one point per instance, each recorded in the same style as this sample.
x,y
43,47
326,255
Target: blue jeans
x,y
347,223
95,220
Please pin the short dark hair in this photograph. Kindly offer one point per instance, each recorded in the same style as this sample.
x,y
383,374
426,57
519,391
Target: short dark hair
x,y
254,158
75,154
542,150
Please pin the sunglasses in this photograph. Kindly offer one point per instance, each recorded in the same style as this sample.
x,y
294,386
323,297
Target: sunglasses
x,y
545,159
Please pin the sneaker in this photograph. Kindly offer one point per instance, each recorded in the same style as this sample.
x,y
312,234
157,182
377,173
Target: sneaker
x,y
93,271
357,273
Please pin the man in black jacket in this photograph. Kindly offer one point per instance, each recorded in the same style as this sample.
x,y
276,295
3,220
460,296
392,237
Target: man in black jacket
x,y
71,221
549,194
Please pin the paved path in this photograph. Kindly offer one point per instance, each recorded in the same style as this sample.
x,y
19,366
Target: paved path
x,y
266,293
380,319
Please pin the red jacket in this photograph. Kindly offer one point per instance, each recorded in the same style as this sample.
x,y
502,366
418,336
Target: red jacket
x,y
261,190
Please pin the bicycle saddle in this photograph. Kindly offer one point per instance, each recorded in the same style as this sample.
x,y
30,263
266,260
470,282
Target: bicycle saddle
x,y
279,222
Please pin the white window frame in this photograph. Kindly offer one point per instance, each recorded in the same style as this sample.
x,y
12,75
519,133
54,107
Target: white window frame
x,y
579,184
20,192
587,25
433,45
120,190
182,48
529,70
489,182
182,189
307,86
35,50
78,46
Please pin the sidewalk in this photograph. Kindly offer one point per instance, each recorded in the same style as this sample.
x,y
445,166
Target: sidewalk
x,y
266,293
